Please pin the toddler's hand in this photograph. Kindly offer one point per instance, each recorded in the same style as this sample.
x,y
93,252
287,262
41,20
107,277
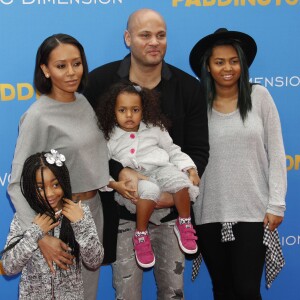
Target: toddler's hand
x,y
73,211
44,222
193,176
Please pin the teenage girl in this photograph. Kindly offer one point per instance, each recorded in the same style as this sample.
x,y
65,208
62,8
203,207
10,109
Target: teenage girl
x,y
243,188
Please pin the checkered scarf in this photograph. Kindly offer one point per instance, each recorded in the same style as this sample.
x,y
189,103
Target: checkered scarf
x,y
274,257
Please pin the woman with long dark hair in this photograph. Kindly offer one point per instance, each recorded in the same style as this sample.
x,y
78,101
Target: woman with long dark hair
x,y
242,191
63,119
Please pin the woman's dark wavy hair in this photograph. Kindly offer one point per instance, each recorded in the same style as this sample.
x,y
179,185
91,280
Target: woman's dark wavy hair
x,y
43,84
150,107
30,190
244,103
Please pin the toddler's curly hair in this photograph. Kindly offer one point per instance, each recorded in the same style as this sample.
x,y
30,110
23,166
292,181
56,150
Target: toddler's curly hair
x,y
150,107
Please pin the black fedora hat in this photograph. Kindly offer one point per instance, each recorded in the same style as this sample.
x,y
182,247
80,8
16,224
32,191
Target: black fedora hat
x,y
246,42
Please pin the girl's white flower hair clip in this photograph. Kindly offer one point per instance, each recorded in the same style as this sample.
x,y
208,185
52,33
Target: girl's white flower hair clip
x,y
55,158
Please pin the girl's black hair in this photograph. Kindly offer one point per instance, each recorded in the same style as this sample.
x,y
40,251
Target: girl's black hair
x,y
150,107
244,103
30,190
43,84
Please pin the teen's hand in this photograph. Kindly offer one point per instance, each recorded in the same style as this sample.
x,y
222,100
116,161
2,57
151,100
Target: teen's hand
x,y
71,210
273,221
44,222
55,251
193,176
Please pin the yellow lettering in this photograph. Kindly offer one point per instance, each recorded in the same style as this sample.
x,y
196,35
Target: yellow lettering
x,y
4,89
297,162
292,162
289,162
209,2
278,2
175,2
264,2
292,2
22,87
2,272
224,2
192,2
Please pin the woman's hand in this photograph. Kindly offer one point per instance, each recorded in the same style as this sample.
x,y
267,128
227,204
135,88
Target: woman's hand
x,y
193,176
71,210
44,222
273,221
55,251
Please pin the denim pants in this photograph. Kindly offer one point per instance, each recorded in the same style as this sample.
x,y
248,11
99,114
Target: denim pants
x,y
168,269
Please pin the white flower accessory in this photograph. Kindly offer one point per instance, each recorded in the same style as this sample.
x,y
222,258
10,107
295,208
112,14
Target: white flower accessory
x,y
55,158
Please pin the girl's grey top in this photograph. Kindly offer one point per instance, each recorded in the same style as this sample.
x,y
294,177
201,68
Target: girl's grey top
x,y
246,174
69,127
37,282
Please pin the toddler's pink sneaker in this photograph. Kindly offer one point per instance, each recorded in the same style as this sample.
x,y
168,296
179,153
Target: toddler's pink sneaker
x,y
143,251
186,237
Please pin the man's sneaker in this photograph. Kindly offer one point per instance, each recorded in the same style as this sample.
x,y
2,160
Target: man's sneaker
x,y
186,237
143,251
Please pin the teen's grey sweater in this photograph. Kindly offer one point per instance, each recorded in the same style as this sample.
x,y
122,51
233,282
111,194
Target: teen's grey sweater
x,y
69,127
246,174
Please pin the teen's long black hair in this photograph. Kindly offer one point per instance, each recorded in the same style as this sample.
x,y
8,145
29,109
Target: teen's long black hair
x,y
244,103
38,163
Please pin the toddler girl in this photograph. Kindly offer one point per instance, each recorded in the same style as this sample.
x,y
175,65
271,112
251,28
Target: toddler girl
x,y
131,121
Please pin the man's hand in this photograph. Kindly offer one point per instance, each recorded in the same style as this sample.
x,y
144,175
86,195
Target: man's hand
x,y
132,177
54,250
273,221
123,188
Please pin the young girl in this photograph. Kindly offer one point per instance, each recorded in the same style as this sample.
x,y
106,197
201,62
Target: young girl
x,y
45,184
136,132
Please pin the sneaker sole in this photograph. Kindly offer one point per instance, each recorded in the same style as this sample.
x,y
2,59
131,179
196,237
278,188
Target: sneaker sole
x,y
185,250
145,265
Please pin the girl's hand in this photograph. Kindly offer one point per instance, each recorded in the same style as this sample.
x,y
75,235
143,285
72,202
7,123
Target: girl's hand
x,y
44,222
71,210
193,176
273,221
124,188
